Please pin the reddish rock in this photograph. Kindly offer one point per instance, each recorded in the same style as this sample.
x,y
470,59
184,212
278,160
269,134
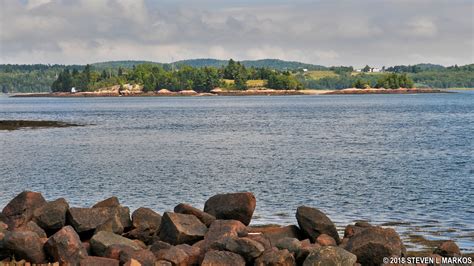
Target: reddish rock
x,y
249,249
159,245
20,209
24,245
114,251
204,217
109,202
87,247
132,262
261,239
180,255
103,239
329,255
52,215
448,249
98,261
225,228
146,223
293,245
113,224
144,257
275,233
276,257
32,227
325,240
358,227
222,258
232,206
313,222
306,248
65,247
179,228
163,263
375,243
88,219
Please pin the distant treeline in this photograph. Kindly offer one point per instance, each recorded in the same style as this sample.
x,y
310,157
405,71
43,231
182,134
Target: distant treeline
x,y
202,74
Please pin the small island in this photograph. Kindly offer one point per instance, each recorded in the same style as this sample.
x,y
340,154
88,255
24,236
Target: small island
x,y
230,79
19,124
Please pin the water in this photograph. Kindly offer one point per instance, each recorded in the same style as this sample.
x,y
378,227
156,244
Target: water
x,y
381,158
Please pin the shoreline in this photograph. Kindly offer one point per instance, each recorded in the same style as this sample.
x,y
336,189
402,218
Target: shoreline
x,y
263,92
217,235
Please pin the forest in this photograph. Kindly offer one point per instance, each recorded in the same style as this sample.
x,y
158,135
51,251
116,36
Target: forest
x,y
205,74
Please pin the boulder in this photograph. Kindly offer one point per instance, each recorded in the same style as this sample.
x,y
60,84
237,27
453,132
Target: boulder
x,y
222,258
163,262
52,215
103,239
374,243
98,261
179,228
276,257
20,209
159,245
220,229
232,206
25,245
358,227
114,251
143,256
275,233
330,255
306,248
180,255
32,227
293,245
109,202
325,240
448,249
204,217
88,219
244,246
113,224
65,247
145,223
261,239
313,222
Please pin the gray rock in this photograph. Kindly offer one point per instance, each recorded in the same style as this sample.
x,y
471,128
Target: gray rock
x,y
52,215
103,239
330,256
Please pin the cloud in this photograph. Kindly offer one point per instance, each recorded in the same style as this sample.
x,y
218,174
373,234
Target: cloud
x,y
320,32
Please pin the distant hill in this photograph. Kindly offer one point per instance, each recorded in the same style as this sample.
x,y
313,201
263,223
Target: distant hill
x,y
122,64
268,63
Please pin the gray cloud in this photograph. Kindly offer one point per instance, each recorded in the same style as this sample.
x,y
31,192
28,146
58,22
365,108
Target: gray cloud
x,y
376,32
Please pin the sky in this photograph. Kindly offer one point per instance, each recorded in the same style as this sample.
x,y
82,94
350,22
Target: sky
x,y
332,32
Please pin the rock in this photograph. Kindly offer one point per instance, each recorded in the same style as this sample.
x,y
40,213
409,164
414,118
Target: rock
x,y
114,251
52,215
132,262
159,245
25,245
325,240
222,258
163,263
66,247
103,239
144,257
180,255
146,223
373,244
224,228
179,228
88,219
261,239
244,246
20,209
276,257
358,227
232,206
293,245
306,248
330,255
113,225
275,233
448,249
32,227
313,222
204,217
87,247
110,202
98,261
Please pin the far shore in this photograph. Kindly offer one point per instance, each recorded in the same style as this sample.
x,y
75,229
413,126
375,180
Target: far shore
x,y
250,92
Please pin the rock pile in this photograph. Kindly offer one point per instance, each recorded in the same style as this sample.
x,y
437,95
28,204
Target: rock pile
x,y
37,231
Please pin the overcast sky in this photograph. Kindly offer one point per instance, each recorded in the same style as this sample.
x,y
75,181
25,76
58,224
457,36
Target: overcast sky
x,y
374,32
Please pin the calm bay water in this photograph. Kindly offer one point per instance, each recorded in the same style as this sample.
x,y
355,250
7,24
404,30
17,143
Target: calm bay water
x,y
381,158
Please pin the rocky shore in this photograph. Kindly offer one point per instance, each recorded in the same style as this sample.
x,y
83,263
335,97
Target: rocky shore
x,y
219,92
18,124
37,231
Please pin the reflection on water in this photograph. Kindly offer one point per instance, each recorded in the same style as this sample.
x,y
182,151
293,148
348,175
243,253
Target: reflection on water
x,y
381,158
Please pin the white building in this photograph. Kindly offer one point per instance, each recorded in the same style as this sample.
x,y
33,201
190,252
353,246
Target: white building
x,y
73,90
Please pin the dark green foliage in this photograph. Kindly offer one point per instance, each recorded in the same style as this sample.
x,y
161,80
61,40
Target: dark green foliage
x,y
283,81
367,68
